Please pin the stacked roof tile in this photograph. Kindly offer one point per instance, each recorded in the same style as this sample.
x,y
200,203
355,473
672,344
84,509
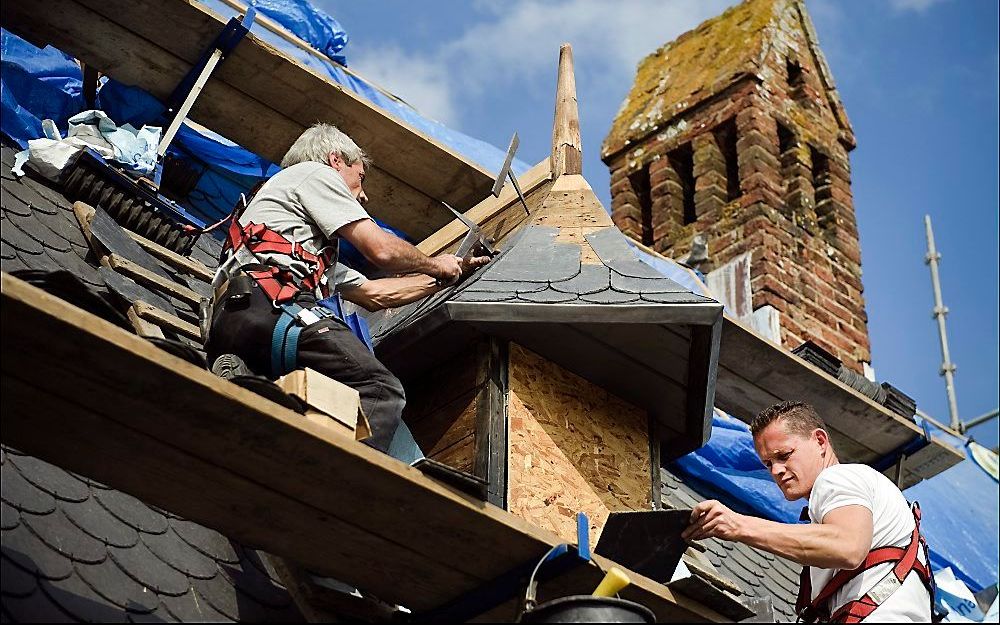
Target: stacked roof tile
x,y
74,549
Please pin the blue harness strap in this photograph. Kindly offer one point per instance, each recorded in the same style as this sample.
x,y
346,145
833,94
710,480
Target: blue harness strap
x,y
285,340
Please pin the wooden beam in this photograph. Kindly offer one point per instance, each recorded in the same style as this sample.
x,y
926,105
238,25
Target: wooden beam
x,y
452,233
755,373
184,264
567,147
176,436
146,277
491,420
154,44
164,319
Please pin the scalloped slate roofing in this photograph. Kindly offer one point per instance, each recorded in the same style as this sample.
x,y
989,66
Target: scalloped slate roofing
x,y
758,574
74,549
536,269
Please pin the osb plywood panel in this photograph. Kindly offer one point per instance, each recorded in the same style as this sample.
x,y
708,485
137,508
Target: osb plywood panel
x,y
543,487
594,445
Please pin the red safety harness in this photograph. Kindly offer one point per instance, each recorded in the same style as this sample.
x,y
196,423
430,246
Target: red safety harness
x,y
906,562
280,285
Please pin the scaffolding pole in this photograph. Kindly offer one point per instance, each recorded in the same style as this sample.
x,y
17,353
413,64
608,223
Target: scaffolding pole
x,y
940,312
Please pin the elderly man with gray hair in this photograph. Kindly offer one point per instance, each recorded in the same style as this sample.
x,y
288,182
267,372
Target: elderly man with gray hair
x,y
281,257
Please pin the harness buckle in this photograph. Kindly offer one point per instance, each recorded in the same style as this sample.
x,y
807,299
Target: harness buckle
x,y
884,588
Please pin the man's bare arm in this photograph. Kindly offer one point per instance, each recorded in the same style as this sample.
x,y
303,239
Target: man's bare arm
x,y
389,252
390,292
841,541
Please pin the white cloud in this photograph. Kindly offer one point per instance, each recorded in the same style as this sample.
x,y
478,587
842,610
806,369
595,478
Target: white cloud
x,y
515,46
421,81
913,5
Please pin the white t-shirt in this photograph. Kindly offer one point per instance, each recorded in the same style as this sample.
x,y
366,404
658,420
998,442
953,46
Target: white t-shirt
x,y
307,203
892,524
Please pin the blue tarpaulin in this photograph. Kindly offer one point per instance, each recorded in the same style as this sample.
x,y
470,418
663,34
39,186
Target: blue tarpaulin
x,y
960,518
47,84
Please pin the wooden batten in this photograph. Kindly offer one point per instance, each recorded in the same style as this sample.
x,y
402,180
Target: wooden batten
x,y
574,447
441,410
567,147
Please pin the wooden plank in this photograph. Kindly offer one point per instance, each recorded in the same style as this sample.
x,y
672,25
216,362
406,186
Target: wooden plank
x,y
319,604
153,45
163,319
491,420
142,326
184,264
754,373
162,429
486,210
146,277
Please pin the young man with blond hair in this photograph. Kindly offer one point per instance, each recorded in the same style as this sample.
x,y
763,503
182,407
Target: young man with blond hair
x,y
862,553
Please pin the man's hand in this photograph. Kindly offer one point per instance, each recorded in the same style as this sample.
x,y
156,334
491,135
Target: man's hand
x,y
452,268
711,519
471,263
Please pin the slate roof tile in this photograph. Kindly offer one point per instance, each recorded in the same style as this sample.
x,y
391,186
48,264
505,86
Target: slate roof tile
x,y
20,493
206,541
16,581
609,297
25,549
19,240
591,279
169,548
131,511
56,531
93,519
31,226
109,581
143,566
35,608
51,479
159,615
9,517
548,296
481,296
190,607
218,592
757,573
77,599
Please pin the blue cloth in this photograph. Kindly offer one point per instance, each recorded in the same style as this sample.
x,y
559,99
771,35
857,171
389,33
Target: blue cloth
x,y
35,85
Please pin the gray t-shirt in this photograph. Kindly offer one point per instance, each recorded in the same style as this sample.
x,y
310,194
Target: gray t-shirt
x,y
307,203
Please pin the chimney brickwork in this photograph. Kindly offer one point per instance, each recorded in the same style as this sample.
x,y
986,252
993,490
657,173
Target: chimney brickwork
x,y
791,206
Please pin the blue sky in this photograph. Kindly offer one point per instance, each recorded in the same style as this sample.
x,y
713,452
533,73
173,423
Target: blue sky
x,y
918,79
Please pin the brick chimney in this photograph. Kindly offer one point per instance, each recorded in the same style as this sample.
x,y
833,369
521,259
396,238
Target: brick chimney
x,y
735,131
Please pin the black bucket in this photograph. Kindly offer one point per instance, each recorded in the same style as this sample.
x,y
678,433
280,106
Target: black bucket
x,y
588,609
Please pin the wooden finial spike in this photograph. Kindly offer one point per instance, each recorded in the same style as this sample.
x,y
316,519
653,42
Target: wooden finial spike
x,y
567,151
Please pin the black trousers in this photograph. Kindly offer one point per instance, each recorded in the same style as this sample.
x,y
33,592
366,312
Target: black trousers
x,y
327,346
